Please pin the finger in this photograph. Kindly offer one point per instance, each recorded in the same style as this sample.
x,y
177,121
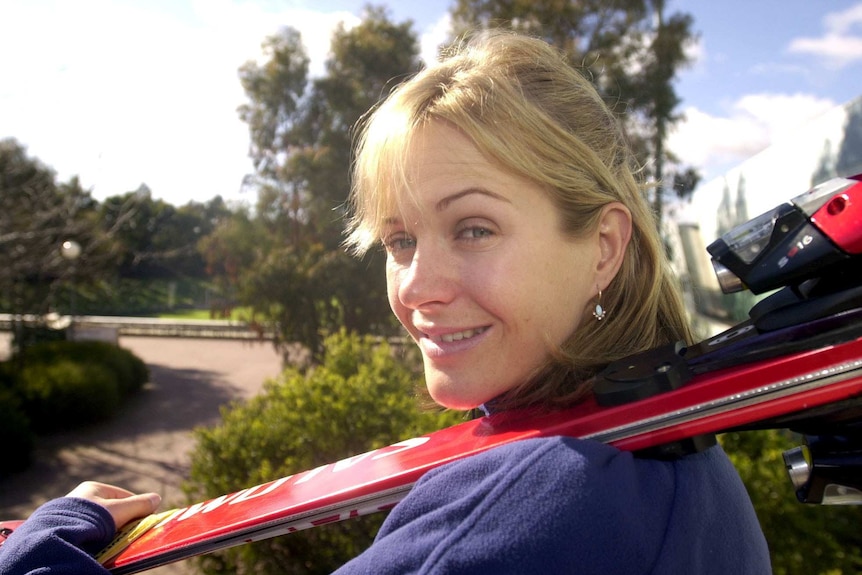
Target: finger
x,y
90,489
106,491
124,510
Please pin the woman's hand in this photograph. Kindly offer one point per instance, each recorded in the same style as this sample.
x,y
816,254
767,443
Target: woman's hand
x,y
121,504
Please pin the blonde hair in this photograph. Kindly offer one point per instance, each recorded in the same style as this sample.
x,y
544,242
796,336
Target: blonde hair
x,y
526,108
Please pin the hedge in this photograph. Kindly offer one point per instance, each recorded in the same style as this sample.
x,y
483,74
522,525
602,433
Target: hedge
x,y
362,397
15,430
56,386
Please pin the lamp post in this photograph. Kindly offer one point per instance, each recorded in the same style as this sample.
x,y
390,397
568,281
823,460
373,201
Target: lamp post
x,y
70,250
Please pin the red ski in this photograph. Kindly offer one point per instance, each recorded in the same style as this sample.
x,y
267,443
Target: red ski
x,y
797,363
376,480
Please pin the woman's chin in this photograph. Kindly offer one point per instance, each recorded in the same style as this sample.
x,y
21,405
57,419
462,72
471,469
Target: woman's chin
x,y
452,399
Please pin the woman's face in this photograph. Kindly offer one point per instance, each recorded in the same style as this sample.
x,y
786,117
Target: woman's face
x,y
479,272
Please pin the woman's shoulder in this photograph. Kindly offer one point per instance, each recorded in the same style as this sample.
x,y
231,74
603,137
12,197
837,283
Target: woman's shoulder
x,y
585,483
536,504
546,505
590,485
584,457
555,460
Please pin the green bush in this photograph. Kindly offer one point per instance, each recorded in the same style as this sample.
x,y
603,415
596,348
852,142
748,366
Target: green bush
x,y
59,385
65,394
65,384
130,371
15,432
803,539
362,397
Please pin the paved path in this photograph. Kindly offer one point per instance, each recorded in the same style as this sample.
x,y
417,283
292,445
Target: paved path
x,y
146,446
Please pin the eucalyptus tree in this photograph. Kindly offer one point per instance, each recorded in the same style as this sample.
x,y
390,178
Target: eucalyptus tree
x,y
298,278
629,49
36,216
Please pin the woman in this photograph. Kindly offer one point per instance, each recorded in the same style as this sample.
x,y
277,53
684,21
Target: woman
x,y
522,258
530,122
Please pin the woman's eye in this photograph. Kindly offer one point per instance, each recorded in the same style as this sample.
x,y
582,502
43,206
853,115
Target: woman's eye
x,y
399,242
475,233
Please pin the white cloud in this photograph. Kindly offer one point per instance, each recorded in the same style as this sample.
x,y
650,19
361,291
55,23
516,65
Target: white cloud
x,y
122,94
433,37
714,143
841,43
842,22
695,51
780,114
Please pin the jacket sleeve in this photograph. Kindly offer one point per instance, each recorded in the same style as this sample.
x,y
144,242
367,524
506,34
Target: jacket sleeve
x,y
59,538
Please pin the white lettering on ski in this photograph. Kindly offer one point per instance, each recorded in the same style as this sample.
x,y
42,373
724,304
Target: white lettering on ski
x,y
208,506
349,462
309,474
337,466
253,492
401,446
170,518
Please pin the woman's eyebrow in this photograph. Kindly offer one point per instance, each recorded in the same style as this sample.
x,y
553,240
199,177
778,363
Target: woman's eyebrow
x,y
447,201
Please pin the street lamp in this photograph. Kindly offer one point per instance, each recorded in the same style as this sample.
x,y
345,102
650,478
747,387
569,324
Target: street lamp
x,y
70,250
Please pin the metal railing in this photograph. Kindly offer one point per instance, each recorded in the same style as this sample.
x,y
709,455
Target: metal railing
x,y
146,326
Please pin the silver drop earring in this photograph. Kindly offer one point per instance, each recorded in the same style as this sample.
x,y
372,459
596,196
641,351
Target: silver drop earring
x,y
599,313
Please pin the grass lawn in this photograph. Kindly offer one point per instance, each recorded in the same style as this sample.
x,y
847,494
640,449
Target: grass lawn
x,y
238,314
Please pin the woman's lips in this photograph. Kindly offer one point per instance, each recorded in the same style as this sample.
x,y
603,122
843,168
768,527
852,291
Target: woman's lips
x,y
443,343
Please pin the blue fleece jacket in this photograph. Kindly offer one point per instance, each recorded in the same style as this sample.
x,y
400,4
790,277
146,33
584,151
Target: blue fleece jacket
x,y
562,505
543,506
59,538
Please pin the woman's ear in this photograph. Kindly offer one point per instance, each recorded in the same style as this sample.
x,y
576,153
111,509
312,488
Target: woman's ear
x,y
614,233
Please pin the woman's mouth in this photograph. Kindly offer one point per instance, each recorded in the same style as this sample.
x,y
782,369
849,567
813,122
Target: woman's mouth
x,y
451,344
461,335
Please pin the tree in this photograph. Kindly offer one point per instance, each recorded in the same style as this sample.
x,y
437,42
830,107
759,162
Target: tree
x,y
300,129
366,62
849,158
361,397
127,236
275,91
297,277
36,216
628,49
153,239
600,37
653,91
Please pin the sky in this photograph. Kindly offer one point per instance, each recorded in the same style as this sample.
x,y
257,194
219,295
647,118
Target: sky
x,y
125,92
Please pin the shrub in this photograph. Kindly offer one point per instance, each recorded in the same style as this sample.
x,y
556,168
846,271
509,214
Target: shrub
x,y
361,398
15,432
130,371
811,539
65,384
64,394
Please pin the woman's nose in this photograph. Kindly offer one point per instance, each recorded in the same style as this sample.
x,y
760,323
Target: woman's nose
x,y
428,279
